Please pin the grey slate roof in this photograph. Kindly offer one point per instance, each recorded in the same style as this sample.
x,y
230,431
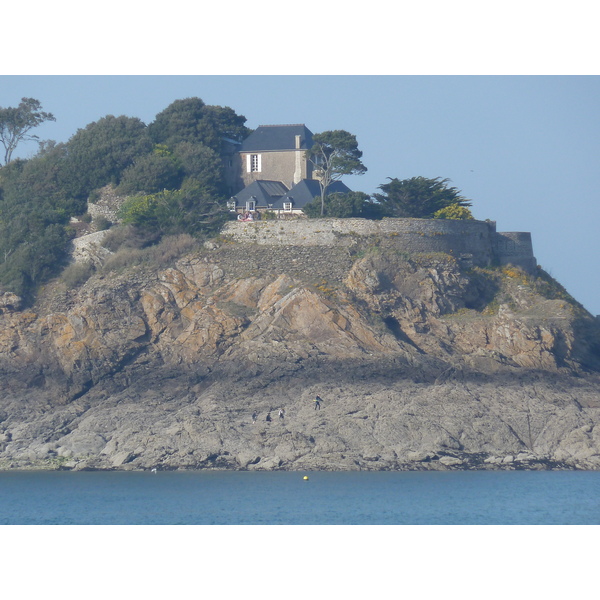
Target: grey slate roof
x,y
275,193
265,192
277,137
306,190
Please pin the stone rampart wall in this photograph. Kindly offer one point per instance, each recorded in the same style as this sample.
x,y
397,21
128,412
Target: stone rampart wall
x,y
455,237
514,247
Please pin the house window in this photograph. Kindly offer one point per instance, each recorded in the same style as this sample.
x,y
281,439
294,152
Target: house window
x,y
253,163
287,207
231,205
251,205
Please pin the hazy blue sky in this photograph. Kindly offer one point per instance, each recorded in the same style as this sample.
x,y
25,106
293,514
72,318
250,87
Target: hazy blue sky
x,y
524,149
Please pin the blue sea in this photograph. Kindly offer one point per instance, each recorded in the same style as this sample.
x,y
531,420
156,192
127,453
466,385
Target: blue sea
x,y
287,498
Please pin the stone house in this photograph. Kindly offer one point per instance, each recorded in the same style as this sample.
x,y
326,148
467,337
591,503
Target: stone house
x,y
276,152
271,171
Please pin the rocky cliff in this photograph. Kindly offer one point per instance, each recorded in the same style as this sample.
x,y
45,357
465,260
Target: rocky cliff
x,y
421,362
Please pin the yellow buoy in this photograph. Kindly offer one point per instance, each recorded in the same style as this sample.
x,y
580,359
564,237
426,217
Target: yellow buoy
x,y
306,478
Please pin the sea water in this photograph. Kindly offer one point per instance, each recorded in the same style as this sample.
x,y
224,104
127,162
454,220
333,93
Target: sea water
x,y
288,498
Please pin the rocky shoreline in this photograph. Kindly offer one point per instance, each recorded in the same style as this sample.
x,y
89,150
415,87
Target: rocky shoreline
x,y
421,363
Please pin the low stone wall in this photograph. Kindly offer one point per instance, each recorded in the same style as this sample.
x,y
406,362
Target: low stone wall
x,y
455,237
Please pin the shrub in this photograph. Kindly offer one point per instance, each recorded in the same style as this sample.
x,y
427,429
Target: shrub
x,y
94,196
127,236
169,249
77,274
454,211
102,223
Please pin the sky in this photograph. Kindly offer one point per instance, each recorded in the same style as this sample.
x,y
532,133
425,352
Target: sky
x,y
525,149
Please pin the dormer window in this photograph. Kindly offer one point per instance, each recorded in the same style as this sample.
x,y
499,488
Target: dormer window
x,y
287,206
253,163
231,205
251,205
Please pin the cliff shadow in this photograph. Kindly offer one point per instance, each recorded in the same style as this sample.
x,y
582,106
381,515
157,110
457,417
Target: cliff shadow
x,y
482,289
394,328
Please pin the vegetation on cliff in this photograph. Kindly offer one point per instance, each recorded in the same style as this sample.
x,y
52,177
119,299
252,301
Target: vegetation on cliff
x,y
171,174
177,156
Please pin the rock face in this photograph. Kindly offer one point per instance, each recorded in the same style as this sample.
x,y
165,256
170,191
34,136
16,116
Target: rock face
x,y
420,362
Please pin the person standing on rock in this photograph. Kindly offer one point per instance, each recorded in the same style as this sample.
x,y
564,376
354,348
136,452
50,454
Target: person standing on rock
x,y
268,417
318,402
254,416
281,414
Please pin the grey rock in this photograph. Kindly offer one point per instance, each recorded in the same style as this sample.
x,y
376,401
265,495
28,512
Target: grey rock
x,y
450,461
416,366
121,458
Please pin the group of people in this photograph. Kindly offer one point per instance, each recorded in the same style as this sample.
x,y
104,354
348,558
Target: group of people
x,y
317,402
247,216
268,417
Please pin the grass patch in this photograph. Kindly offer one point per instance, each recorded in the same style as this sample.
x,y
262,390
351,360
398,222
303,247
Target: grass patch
x,y
159,255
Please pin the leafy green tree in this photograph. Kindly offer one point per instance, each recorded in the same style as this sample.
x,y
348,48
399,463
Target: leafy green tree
x,y
334,154
344,206
220,122
151,173
41,181
35,209
190,120
32,250
418,197
100,153
202,165
16,124
453,211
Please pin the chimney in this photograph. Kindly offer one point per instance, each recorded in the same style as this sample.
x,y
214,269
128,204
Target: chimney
x,y
298,138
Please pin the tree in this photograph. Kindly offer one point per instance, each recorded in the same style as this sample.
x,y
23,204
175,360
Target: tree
x,y
418,197
190,120
41,182
334,154
344,206
16,123
220,122
151,173
98,154
202,165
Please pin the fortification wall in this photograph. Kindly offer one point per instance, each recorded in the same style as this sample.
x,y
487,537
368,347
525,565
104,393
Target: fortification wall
x,y
475,240
514,247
